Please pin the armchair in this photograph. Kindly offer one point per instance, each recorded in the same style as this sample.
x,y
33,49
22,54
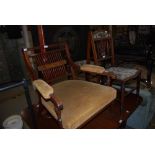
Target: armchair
x,y
71,102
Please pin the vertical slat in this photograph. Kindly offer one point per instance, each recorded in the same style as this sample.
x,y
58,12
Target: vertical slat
x,y
112,53
88,49
41,38
29,65
94,49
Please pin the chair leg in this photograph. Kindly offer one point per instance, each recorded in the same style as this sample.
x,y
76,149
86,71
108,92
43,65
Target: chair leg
x,y
138,84
122,101
87,76
109,81
42,110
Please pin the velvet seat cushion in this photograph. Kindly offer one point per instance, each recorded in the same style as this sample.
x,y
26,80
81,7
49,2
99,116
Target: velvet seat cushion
x,y
81,100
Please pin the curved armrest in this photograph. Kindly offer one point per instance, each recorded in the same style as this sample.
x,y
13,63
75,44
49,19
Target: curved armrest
x,y
92,68
97,70
43,88
57,102
47,93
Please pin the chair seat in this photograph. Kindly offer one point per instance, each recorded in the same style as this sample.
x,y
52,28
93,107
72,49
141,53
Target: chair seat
x,y
81,101
123,73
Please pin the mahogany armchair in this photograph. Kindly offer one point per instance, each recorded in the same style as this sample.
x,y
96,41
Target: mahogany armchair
x,y
100,43
71,102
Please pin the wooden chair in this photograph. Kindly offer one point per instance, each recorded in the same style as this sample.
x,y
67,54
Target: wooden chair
x,y
100,50
71,102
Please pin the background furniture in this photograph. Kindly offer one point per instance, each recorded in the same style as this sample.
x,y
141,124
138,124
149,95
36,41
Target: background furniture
x,y
101,44
135,53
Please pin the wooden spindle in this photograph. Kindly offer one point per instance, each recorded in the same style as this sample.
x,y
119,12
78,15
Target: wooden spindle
x,y
41,38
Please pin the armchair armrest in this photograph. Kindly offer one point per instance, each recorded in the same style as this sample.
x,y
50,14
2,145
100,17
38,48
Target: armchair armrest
x,y
43,88
92,68
97,70
47,93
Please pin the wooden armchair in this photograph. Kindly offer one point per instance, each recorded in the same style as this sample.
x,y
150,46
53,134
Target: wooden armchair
x,y
100,43
71,102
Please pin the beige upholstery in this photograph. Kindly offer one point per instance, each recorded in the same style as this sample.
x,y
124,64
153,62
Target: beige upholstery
x,y
81,100
92,68
45,90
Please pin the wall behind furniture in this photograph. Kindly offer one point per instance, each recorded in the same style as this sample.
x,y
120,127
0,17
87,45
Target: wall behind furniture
x,y
10,56
74,35
4,73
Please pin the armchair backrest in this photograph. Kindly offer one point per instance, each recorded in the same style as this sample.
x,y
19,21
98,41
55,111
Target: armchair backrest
x,y
55,63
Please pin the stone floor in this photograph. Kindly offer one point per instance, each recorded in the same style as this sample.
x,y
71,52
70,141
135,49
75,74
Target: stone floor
x,y
13,101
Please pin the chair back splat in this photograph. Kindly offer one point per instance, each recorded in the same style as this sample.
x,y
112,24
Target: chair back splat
x,y
51,65
102,48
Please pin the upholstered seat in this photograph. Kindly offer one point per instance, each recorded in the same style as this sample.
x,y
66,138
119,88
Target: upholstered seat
x,y
122,73
81,100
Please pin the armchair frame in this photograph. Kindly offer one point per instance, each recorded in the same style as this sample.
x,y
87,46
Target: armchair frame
x,y
54,64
